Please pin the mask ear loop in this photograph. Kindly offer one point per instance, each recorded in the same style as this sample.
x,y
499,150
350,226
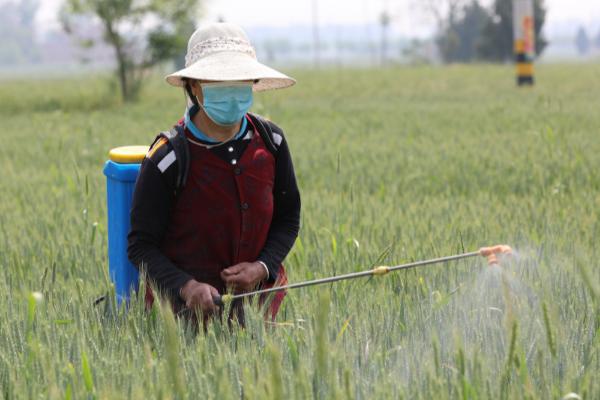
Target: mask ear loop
x,y
191,96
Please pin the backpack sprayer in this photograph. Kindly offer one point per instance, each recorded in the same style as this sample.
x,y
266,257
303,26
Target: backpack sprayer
x,y
491,253
121,172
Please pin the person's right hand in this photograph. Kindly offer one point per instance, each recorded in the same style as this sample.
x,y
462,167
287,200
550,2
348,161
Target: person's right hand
x,y
199,295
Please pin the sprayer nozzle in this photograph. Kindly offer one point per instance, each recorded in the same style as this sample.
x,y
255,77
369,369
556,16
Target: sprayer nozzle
x,y
492,252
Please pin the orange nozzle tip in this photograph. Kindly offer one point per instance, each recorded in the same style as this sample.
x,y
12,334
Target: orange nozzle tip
x,y
492,250
506,249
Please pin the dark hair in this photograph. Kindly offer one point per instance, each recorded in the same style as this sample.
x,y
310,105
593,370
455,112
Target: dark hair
x,y
188,88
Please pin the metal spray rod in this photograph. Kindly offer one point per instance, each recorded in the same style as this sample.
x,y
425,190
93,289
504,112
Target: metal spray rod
x,y
489,252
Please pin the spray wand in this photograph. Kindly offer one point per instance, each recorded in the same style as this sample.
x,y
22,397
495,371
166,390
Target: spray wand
x,y
491,253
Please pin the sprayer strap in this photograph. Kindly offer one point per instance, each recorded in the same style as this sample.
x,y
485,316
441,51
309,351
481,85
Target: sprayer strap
x,y
181,152
271,139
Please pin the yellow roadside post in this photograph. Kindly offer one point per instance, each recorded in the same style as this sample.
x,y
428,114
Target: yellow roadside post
x,y
524,40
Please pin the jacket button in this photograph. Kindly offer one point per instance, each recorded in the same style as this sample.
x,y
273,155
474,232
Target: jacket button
x,y
234,161
237,170
244,206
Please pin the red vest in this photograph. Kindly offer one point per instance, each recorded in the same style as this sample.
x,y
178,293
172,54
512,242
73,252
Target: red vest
x,y
223,214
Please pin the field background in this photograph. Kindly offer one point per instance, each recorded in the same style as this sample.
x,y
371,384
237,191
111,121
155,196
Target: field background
x,y
394,165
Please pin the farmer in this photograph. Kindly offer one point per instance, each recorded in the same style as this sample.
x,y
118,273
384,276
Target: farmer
x,y
222,211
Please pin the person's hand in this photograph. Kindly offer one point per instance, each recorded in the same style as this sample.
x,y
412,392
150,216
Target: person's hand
x,y
199,295
244,276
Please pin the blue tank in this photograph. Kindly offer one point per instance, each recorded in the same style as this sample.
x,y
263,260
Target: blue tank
x,y
121,173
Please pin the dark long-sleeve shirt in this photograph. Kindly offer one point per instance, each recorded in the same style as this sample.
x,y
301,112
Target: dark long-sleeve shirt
x,y
154,197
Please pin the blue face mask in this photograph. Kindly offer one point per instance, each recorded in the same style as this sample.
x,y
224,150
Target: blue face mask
x,y
226,103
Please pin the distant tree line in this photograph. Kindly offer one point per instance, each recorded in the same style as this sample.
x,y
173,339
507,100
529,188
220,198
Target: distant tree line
x,y
584,43
468,31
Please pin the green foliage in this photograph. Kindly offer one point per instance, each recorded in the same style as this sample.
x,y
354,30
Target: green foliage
x,y
459,40
394,165
124,30
86,371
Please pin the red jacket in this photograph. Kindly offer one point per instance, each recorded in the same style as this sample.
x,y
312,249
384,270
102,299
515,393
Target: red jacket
x,y
222,216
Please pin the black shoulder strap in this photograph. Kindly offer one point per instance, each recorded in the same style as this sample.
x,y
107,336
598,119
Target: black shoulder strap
x,y
265,131
178,141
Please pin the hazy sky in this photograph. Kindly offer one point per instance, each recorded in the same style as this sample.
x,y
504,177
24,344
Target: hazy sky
x,y
408,18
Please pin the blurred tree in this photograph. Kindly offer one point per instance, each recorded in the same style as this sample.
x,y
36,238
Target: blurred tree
x,y
416,52
316,40
597,41
276,47
582,41
384,21
444,12
497,35
459,39
142,33
17,30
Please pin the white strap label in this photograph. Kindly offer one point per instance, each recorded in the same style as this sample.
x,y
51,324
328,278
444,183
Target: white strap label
x,y
167,161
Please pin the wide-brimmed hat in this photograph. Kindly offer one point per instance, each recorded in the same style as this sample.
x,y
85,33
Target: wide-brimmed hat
x,y
222,52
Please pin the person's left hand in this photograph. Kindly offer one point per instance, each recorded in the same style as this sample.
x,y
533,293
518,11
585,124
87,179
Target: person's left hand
x,y
244,276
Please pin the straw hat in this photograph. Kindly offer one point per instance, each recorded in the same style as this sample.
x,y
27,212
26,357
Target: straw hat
x,y
222,52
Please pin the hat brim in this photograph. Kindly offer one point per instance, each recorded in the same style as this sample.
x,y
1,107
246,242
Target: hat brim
x,y
232,66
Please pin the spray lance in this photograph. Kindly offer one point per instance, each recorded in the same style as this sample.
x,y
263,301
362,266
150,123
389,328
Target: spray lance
x,y
491,253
